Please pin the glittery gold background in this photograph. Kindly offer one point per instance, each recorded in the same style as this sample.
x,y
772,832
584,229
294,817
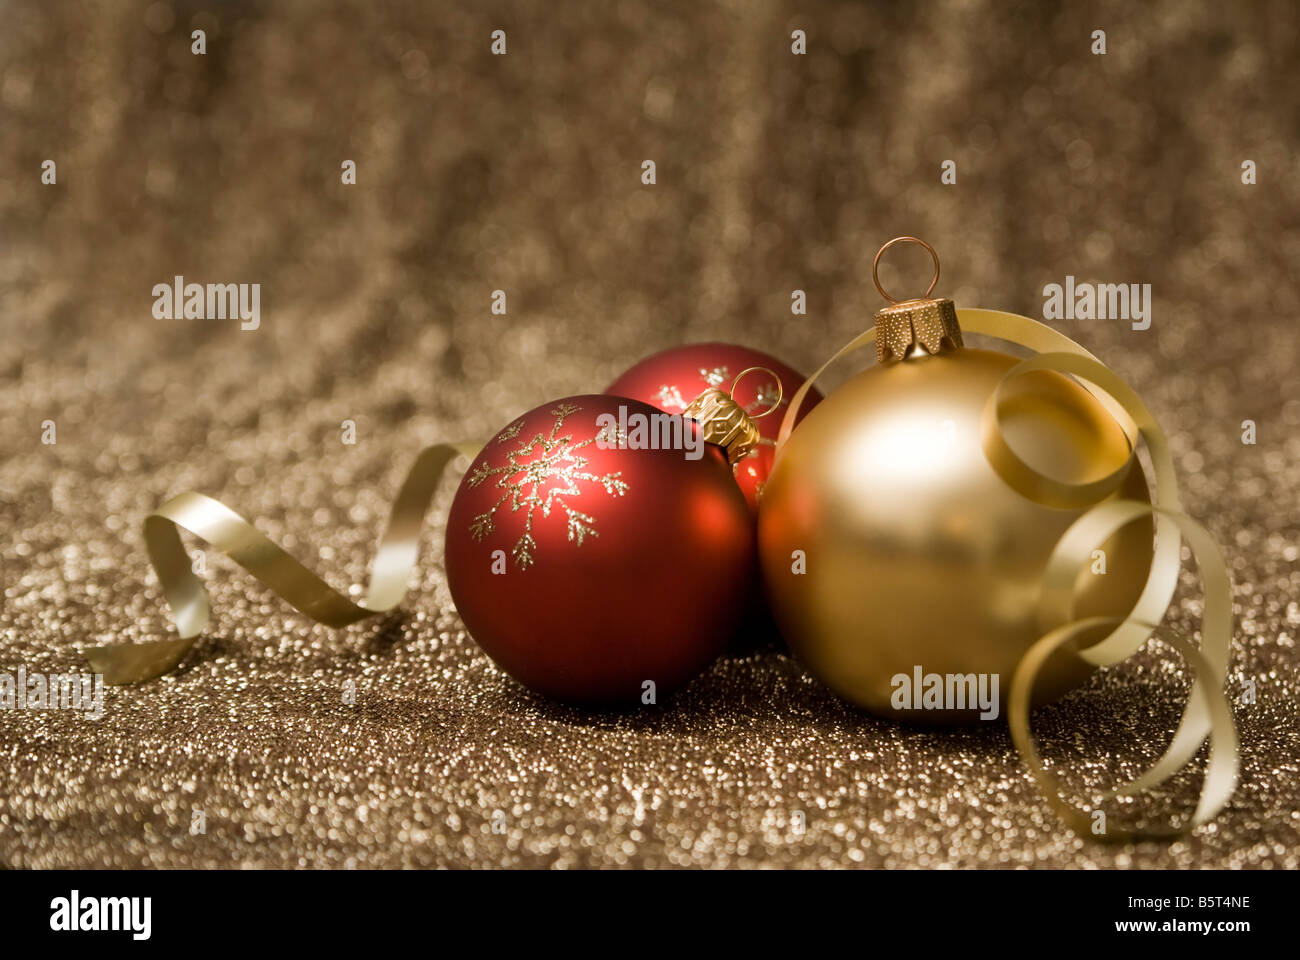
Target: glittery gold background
x,y
522,173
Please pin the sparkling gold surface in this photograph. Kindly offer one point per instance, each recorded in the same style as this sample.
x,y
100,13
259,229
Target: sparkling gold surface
x,y
522,173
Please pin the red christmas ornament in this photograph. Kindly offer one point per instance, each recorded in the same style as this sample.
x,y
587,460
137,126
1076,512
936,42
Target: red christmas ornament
x,y
586,568
673,378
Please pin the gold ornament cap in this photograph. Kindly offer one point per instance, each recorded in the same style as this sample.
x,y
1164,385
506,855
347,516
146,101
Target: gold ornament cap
x,y
725,422
923,323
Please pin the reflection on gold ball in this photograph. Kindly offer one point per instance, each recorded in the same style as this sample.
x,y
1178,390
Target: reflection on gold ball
x,y
915,553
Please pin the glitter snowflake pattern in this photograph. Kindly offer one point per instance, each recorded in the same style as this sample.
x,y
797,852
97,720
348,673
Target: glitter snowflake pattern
x,y
510,432
671,397
540,474
715,377
765,399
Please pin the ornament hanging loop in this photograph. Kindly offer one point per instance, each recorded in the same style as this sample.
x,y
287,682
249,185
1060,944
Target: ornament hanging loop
x,y
875,268
915,327
780,389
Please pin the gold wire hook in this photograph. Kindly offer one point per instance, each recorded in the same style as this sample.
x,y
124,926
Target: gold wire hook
x,y
780,389
875,266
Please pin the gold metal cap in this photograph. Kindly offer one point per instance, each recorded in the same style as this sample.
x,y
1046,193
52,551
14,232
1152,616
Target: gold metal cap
x,y
725,422
923,322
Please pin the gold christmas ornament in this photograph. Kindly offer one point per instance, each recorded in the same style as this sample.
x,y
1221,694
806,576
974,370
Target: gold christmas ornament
x,y
956,533
917,553
917,558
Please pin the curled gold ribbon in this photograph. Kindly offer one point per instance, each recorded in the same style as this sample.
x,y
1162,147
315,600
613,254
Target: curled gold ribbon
x,y
1207,713
227,531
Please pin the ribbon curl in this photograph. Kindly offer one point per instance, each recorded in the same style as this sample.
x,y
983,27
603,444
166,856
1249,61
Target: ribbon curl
x,y
1206,713
227,531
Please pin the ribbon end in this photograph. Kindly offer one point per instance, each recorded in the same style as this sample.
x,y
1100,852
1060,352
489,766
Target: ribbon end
x,y
123,663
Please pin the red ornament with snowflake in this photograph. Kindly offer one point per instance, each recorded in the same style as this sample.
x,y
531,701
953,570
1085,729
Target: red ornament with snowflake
x,y
672,378
592,572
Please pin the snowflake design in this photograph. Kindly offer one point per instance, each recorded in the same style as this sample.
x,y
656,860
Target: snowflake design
x,y
671,397
715,377
510,432
611,436
765,399
539,474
